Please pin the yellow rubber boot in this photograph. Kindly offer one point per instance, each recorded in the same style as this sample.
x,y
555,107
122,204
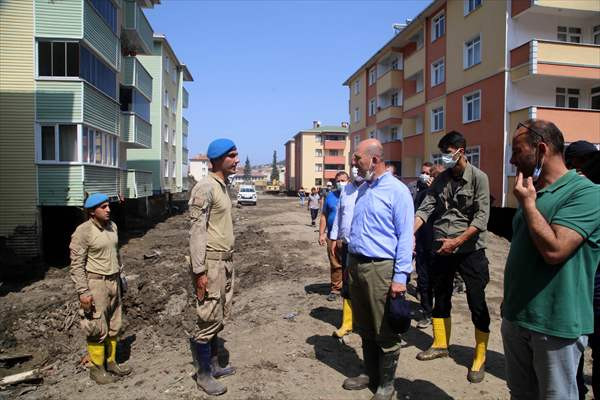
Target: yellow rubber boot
x,y
346,320
477,371
441,340
111,358
97,372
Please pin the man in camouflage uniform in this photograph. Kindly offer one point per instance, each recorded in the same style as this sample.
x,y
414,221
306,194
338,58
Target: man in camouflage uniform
x,y
211,248
95,269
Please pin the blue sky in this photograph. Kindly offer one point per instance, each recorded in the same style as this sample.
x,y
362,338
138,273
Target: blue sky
x,y
263,70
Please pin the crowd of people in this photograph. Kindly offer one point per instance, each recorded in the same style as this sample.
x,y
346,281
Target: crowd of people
x,y
373,228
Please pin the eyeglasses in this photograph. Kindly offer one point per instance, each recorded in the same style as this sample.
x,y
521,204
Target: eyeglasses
x,y
521,125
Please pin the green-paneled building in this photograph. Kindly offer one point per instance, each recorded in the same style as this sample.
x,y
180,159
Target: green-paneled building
x,y
75,97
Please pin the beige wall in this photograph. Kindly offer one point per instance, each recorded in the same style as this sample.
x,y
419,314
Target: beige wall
x,y
358,100
309,145
489,20
585,5
564,53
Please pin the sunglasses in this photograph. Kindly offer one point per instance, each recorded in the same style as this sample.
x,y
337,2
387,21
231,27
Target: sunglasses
x,y
521,125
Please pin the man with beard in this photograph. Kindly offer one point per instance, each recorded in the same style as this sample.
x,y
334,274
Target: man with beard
x,y
549,277
211,250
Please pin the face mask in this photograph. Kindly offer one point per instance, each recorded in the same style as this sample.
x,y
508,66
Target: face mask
x,y
448,159
369,174
537,171
340,185
355,176
424,178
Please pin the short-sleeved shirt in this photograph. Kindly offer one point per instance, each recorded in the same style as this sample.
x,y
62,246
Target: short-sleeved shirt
x,y
458,203
313,201
555,299
330,207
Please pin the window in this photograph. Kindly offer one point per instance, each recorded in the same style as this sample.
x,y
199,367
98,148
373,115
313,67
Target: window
x,y
372,76
356,141
166,168
166,99
48,145
394,99
58,59
318,139
595,98
568,34
395,64
131,100
436,158
471,5
437,119
437,72
472,155
167,65
97,73
372,107
318,181
166,133
107,10
174,105
419,83
567,98
472,54
318,153
356,114
173,137
334,153
472,107
356,86
173,170
174,74
372,134
596,34
67,143
318,167
438,27
393,134
419,125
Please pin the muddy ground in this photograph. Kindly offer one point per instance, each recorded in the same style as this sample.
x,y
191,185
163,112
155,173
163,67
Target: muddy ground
x,y
279,336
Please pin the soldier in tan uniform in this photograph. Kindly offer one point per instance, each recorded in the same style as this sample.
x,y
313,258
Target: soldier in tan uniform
x,y
211,248
95,269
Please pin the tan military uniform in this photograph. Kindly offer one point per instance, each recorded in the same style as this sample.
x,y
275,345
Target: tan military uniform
x,y
95,270
211,248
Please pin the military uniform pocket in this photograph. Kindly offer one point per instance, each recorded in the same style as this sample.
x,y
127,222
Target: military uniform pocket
x,y
93,325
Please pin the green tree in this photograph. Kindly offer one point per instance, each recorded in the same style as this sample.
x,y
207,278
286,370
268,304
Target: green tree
x,y
274,169
247,170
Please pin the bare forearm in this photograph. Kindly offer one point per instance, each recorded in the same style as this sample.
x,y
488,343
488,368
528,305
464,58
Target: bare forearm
x,y
322,224
418,223
468,234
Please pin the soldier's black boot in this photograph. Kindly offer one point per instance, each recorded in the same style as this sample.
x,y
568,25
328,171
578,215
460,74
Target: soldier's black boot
x,y
217,370
204,373
387,372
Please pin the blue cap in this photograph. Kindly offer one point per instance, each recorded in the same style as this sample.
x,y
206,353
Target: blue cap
x,y
219,147
95,200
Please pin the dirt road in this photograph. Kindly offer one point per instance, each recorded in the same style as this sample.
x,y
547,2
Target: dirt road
x,y
279,336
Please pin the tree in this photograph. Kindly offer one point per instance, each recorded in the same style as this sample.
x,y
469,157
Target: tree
x,y
247,170
274,170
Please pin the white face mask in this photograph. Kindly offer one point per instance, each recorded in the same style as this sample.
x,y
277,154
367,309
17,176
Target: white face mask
x,y
537,171
424,178
448,159
340,185
369,174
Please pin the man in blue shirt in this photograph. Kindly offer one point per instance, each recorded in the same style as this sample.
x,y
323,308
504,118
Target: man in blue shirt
x,y
327,218
380,261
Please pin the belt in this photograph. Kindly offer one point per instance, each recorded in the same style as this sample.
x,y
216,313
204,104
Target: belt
x,y
219,255
365,259
93,275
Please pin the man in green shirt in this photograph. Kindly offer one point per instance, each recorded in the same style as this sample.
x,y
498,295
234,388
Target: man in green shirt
x,y
549,276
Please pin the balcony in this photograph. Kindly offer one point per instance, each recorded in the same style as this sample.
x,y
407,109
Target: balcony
x,y
137,32
185,98
185,126
135,132
339,160
415,100
387,113
334,145
185,156
391,80
552,58
139,184
66,185
575,124
134,74
562,8
330,173
415,62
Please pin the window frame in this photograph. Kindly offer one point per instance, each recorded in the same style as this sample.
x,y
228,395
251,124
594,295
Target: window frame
x,y
372,76
465,103
469,155
318,167
435,115
394,134
357,114
372,106
397,102
166,99
439,64
438,21
568,35
596,34
52,76
357,87
419,125
318,152
467,6
436,158
468,44
593,95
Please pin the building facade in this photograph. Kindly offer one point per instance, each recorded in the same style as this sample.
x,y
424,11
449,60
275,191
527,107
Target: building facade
x,y
314,156
199,167
479,67
73,100
167,159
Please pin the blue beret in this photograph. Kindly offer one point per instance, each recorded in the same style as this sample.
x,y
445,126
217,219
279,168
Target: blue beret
x,y
95,199
219,147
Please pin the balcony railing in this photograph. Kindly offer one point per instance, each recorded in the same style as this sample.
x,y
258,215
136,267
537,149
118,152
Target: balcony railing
x,y
134,74
136,132
334,145
184,126
391,80
415,100
388,112
330,173
552,6
415,62
137,32
340,160
186,98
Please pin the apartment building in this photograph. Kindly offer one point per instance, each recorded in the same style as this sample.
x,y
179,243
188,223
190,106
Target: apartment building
x,y
199,166
73,99
167,159
480,67
314,156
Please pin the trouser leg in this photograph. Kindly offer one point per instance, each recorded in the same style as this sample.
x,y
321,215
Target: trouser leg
x,y
211,310
424,287
442,277
344,257
335,266
474,270
520,375
595,346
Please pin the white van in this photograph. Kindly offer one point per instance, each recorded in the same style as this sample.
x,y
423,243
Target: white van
x,y
246,195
